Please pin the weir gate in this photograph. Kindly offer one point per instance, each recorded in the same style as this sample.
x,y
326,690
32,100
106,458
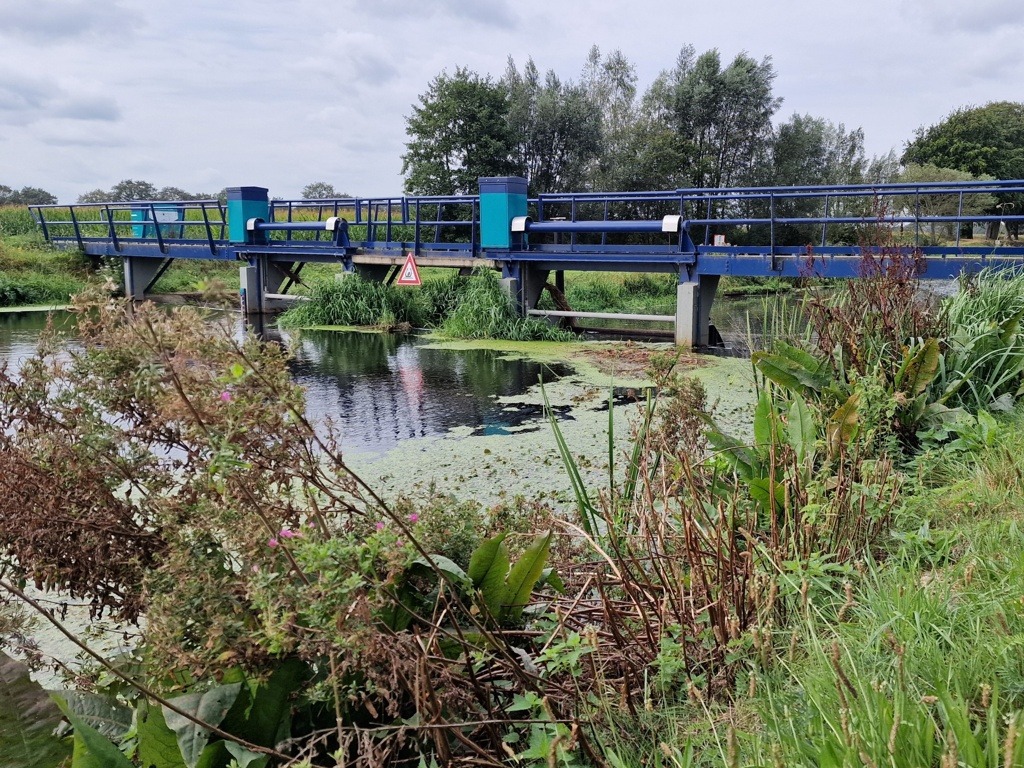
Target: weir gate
x,y
696,234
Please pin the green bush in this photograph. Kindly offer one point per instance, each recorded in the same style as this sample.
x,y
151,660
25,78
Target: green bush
x,y
355,301
983,356
485,311
36,289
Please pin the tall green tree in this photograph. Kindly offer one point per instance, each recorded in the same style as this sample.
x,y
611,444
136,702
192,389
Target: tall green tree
x,y
458,132
721,115
811,150
610,82
129,189
985,140
556,128
982,141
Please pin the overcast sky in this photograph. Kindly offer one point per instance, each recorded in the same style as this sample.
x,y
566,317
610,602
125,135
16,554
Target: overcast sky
x,y
203,94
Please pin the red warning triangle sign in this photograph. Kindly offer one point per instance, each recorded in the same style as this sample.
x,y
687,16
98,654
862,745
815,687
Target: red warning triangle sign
x,y
409,275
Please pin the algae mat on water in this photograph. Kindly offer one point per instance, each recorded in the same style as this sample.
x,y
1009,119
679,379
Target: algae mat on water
x,y
524,461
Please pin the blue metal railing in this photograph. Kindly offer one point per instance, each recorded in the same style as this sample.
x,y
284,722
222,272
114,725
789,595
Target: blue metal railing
x,y
919,206
438,223
194,221
759,220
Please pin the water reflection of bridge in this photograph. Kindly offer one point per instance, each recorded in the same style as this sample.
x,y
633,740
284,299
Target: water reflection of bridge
x,y
696,234
389,388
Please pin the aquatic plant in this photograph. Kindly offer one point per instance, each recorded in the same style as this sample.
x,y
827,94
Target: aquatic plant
x,y
485,311
352,300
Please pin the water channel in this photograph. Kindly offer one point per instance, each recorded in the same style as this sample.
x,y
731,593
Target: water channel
x,y
383,389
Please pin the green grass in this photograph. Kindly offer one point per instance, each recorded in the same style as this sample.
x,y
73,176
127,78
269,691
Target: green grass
x,y
485,311
354,301
32,272
917,661
457,306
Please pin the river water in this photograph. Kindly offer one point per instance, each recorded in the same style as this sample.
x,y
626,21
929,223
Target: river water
x,y
382,389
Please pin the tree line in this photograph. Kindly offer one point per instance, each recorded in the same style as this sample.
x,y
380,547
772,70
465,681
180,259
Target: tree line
x,y
702,123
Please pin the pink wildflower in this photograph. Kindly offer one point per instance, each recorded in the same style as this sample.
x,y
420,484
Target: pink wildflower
x,y
272,543
380,525
288,533
414,518
225,396
255,569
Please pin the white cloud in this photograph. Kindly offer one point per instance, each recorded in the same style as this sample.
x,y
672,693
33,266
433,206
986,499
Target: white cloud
x,y
207,95
51,22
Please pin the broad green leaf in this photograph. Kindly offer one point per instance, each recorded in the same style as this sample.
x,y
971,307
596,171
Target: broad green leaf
x,y
104,713
738,455
246,758
550,578
157,743
214,755
445,565
764,418
92,749
803,432
919,369
804,359
28,718
760,491
523,576
209,706
488,567
792,369
266,717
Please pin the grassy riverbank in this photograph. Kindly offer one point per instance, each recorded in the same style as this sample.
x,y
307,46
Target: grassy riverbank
x,y
32,273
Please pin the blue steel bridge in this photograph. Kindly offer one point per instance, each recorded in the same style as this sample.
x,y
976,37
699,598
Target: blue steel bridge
x,y
696,234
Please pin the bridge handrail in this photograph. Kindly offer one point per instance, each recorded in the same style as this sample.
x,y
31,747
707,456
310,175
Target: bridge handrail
x,y
453,221
112,224
816,190
891,203
392,214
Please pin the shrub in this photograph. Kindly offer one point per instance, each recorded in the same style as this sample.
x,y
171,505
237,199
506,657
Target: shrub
x,y
355,301
485,311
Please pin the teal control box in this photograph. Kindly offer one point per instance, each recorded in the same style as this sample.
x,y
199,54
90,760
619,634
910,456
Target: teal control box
x,y
502,198
245,203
